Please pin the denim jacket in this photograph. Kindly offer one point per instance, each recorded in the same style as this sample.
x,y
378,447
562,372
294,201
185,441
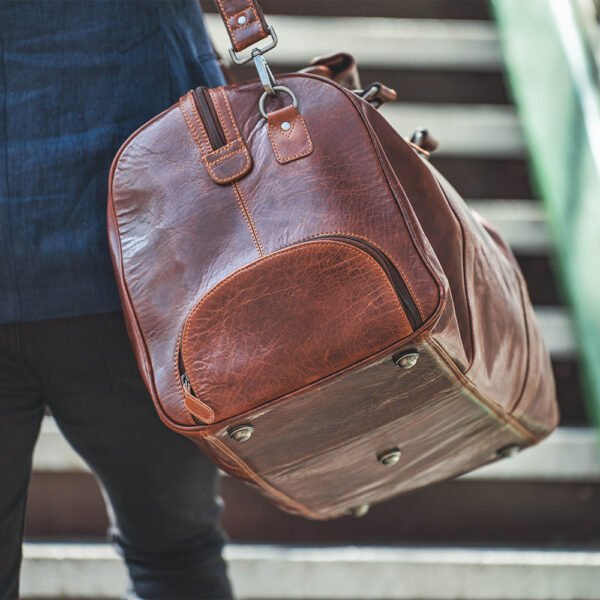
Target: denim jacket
x,y
76,79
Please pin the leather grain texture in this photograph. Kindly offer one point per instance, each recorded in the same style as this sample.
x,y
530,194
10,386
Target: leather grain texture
x,y
246,286
286,321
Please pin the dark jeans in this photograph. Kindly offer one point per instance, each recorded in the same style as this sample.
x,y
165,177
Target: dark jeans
x,y
161,489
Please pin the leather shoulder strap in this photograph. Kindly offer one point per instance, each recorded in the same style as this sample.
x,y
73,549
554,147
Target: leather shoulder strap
x,y
245,22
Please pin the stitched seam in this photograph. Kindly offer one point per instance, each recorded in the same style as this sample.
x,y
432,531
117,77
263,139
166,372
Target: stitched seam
x,y
226,15
229,178
366,239
479,398
261,262
178,379
287,159
254,18
214,95
224,157
248,217
226,148
193,130
286,133
259,480
228,107
380,161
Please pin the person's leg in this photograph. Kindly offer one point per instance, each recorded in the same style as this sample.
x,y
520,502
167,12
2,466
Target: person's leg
x,y
162,489
21,412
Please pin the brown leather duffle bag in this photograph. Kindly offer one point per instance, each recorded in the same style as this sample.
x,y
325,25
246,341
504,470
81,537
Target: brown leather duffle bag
x,y
310,301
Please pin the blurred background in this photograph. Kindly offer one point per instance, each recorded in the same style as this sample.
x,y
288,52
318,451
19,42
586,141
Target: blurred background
x,y
510,90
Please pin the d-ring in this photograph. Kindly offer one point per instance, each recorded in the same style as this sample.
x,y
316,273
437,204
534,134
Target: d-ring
x,y
276,88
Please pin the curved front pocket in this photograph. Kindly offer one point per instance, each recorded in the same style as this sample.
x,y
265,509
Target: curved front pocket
x,y
288,320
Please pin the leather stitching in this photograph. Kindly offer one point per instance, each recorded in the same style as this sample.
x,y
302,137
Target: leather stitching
x,y
228,107
180,386
366,239
194,132
248,217
215,97
234,176
254,18
261,262
274,143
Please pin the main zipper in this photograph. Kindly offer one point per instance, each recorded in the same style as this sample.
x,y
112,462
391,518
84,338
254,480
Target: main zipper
x,y
209,117
402,291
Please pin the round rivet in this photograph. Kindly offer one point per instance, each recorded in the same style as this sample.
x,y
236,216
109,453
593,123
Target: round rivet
x,y
242,20
508,451
286,126
241,433
360,511
407,360
390,457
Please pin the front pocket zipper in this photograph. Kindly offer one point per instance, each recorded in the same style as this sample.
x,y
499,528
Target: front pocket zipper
x,y
398,283
207,112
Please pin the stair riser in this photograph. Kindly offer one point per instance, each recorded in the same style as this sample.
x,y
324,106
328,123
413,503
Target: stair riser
x,y
69,506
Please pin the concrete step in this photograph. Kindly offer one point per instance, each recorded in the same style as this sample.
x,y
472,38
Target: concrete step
x,y
521,223
414,9
381,42
350,573
482,131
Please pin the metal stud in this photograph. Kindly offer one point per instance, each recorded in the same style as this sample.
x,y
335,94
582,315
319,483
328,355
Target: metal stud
x,y
242,20
286,126
508,451
360,511
407,360
390,457
241,433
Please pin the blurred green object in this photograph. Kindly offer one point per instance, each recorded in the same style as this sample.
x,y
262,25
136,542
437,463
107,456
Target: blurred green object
x,y
551,52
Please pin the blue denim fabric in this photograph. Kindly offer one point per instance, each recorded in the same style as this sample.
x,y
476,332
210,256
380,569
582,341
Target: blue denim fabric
x,y
76,79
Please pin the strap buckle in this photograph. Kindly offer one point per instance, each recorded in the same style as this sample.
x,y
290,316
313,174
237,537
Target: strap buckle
x,y
257,51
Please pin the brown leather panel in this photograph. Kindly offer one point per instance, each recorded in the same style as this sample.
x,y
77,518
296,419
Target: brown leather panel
x,y
287,320
162,163
175,235
443,231
252,27
228,163
224,114
326,192
329,464
289,135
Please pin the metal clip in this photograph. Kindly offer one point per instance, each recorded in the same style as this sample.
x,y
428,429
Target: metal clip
x,y
264,73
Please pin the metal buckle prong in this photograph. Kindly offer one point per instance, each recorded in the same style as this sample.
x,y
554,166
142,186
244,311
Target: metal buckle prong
x,y
242,61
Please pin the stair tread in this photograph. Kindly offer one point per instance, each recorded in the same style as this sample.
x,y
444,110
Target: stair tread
x,y
473,130
522,223
349,572
374,41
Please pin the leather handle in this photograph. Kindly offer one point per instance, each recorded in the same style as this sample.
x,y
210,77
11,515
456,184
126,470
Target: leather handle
x,y
245,22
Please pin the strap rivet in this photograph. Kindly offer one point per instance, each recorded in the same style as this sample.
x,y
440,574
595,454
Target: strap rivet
x,y
390,457
286,126
407,360
242,20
